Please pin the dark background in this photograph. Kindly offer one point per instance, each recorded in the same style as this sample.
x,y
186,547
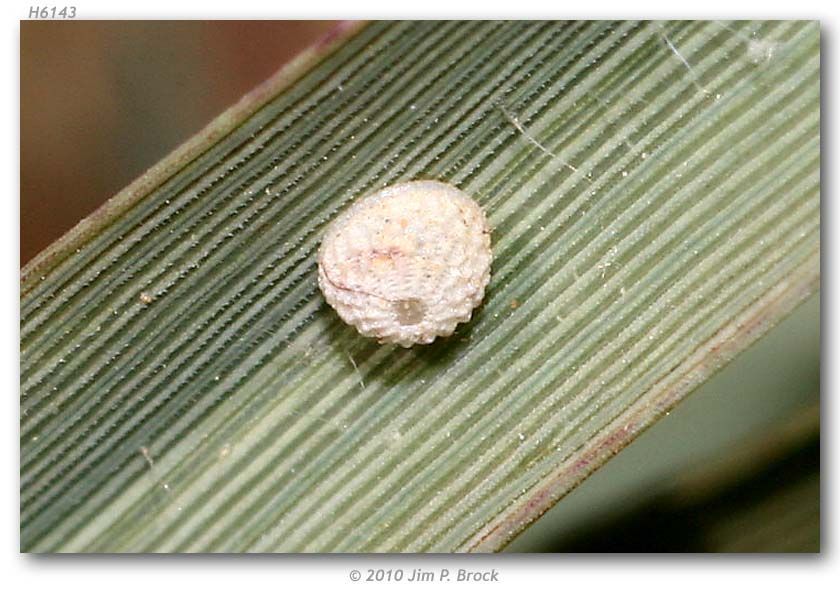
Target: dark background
x,y
102,101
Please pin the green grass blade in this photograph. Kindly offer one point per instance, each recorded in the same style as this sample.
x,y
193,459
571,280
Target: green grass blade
x,y
653,190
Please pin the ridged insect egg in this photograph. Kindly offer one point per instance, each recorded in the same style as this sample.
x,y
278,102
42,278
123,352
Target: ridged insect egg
x,y
408,263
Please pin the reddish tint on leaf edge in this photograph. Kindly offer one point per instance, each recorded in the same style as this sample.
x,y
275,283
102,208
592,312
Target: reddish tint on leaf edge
x,y
158,174
718,350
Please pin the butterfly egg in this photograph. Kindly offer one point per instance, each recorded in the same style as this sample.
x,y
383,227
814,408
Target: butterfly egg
x,y
408,263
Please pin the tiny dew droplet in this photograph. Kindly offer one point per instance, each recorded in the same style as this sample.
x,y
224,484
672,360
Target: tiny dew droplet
x,y
408,263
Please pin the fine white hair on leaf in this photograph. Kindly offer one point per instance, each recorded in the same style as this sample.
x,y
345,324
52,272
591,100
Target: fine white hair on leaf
x,y
514,120
739,34
356,368
684,61
147,455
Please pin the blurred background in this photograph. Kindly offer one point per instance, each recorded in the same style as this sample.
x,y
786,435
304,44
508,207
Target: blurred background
x,y
102,101
735,467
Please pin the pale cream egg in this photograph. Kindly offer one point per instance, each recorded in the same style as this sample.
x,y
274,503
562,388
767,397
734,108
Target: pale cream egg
x,y
408,263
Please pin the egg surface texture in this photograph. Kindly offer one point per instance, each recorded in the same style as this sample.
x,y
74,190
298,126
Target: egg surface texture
x,y
408,263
